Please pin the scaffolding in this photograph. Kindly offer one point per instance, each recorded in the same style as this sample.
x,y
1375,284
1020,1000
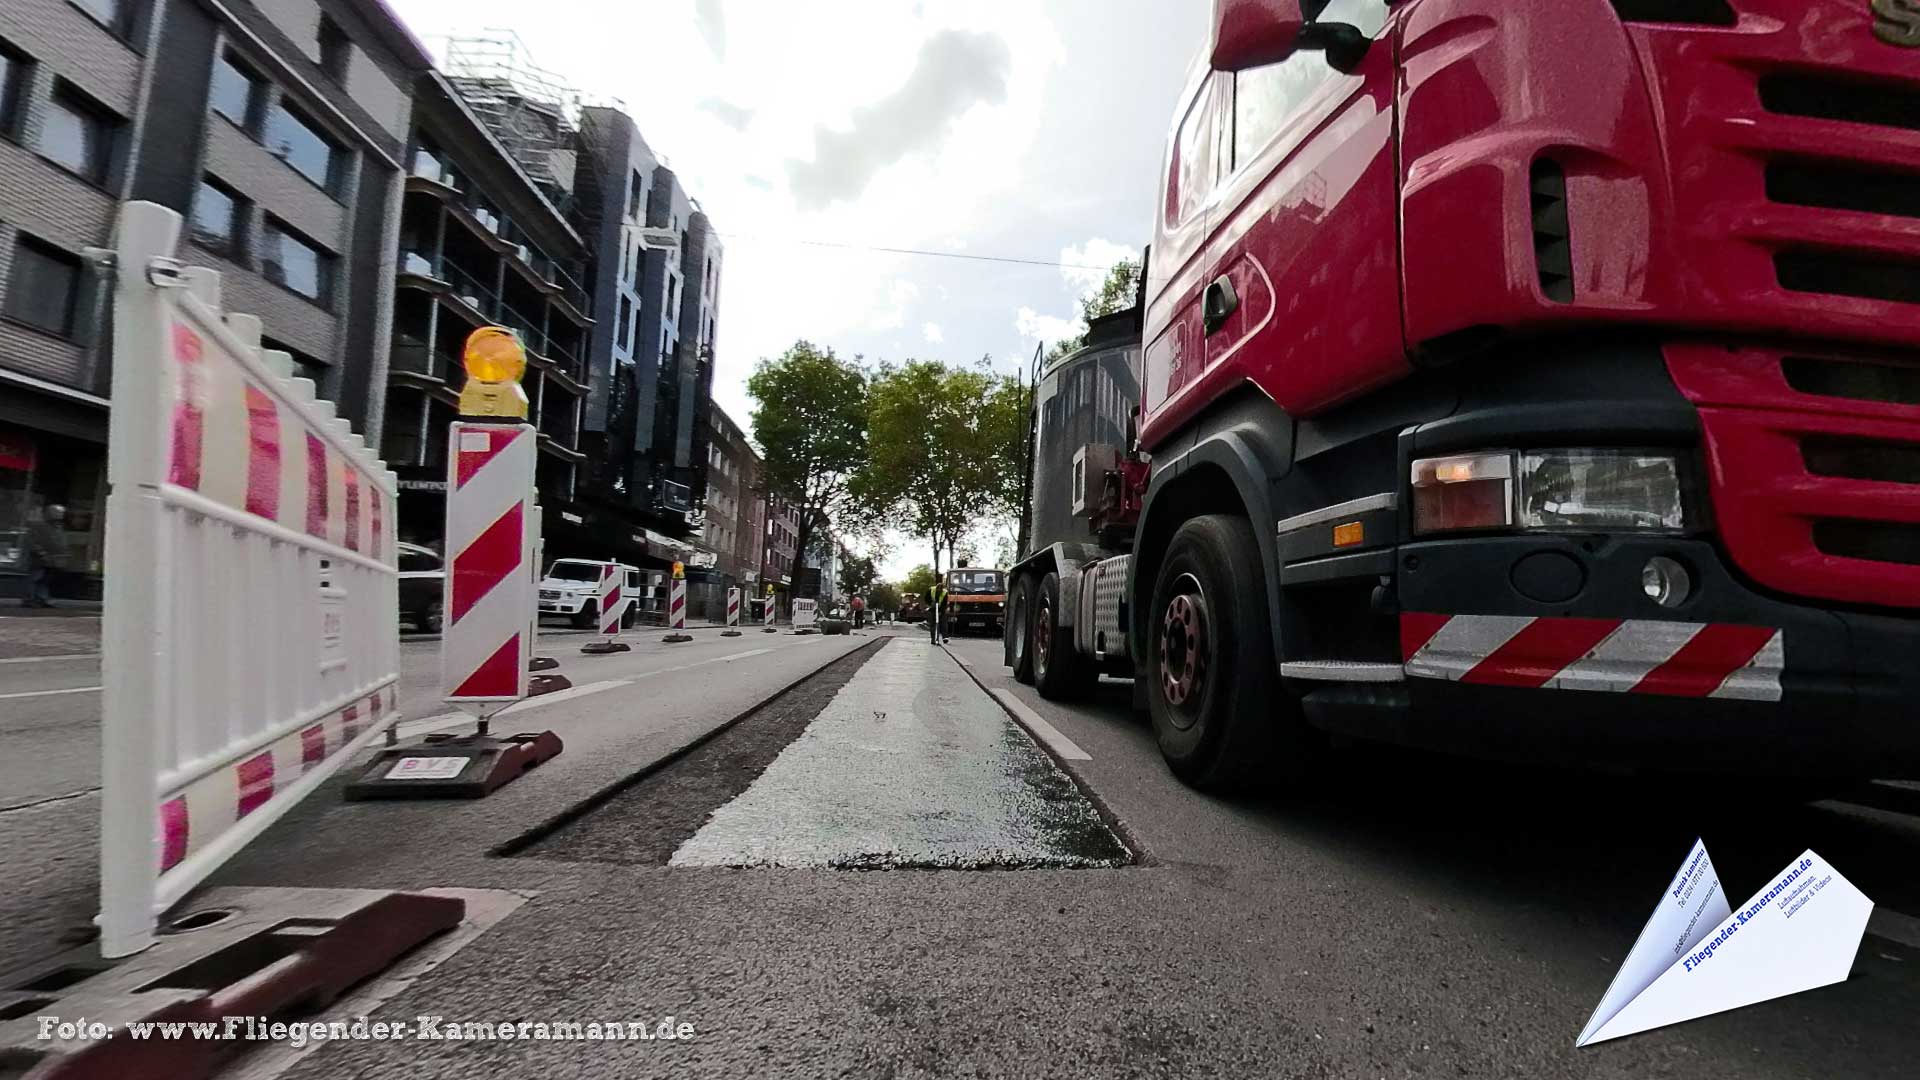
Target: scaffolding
x,y
534,113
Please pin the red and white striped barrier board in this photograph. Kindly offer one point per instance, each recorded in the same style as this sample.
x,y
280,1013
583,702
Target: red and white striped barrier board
x,y
769,609
250,637
1622,656
490,589
733,607
677,606
612,600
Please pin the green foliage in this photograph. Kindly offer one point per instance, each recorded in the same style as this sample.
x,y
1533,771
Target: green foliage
x,y
883,597
919,580
943,449
857,573
1116,293
810,419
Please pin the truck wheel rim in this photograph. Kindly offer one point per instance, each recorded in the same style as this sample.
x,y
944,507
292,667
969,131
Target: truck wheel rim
x,y
1017,623
1183,650
1042,635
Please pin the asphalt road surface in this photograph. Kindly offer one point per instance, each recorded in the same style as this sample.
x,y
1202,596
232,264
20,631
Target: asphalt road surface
x,y
1408,916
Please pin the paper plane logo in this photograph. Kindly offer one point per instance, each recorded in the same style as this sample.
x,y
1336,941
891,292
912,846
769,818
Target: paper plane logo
x,y
1697,956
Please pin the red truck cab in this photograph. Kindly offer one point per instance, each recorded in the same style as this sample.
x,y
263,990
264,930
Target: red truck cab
x,y
1534,378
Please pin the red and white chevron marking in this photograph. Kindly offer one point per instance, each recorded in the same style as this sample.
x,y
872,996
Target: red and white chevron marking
x,y
677,605
1622,656
733,607
485,646
196,815
611,601
768,609
245,444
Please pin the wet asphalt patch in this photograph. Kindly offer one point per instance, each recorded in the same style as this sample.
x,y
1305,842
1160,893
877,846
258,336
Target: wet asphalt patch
x,y
643,825
888,760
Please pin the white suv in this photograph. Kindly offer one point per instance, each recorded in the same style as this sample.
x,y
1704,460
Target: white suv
x,y
571,587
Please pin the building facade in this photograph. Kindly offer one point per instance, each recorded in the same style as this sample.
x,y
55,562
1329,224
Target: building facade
x,y
481,244
781,534
276,129
733,508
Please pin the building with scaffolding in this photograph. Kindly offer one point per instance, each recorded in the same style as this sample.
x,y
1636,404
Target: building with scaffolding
x,y
526,207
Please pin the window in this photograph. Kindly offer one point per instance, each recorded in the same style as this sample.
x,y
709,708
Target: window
x,y
288,259
115,15
236,93
79,134
16,73
293,138
418,561
1192,178
636,190
625,328
218,218
44,289
336,50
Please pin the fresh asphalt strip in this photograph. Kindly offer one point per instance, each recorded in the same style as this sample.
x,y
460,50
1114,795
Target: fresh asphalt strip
x,y
522,844
644,825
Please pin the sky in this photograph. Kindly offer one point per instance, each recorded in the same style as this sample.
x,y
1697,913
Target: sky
x,y
814,133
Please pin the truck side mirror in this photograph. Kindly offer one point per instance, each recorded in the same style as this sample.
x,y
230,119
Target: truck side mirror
x,y
1252,33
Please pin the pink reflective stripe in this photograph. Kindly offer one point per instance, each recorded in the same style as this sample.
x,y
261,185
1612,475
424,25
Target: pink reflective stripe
x,y
189,409
255,777
351,478
173,832
263,453
316,487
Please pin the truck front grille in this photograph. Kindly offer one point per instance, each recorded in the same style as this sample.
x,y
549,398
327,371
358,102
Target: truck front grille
x,y
1814,467
1849,101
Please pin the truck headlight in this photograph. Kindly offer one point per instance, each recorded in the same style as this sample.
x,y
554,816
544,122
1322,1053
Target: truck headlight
x,y
1587,490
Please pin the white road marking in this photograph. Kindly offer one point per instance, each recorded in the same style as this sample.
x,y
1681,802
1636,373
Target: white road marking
x,y
454,719
50,659
49,693
1894,926
1041,730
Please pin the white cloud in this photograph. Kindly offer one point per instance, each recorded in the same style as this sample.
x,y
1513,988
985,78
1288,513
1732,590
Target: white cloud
x,y
1047,329
900,295
1086,266
933,333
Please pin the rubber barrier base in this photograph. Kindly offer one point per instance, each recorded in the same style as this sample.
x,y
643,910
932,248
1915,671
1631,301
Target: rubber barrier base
x,y
542,663
264,953
448,766
729,633
675,639
769,630
547,684
600,648
806,630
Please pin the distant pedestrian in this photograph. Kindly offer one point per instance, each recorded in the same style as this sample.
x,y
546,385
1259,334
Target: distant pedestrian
x,y
936,600
46,553
859,613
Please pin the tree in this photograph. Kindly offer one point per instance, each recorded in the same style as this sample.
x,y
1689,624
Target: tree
x,y
1117,293
810,419
919,580
937,460
883,597
857,573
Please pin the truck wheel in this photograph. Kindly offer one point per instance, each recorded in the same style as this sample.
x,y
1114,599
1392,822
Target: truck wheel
x,y
1019,630
1058,672
1211,686
588,611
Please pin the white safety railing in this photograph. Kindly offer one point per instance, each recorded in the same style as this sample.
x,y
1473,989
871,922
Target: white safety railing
x,y
251,636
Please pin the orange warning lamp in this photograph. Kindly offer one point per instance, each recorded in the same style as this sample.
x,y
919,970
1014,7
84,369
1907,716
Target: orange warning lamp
x,y
495,363
679,570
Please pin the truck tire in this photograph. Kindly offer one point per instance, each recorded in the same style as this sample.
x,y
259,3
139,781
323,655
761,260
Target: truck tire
x,y
1059,672
585,617
1019,629
1217,706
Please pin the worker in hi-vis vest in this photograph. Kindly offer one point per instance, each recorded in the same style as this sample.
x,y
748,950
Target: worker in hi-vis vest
x,y
936,600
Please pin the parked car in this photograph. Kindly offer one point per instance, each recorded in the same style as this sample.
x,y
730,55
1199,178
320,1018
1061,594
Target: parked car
x,y
422,585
